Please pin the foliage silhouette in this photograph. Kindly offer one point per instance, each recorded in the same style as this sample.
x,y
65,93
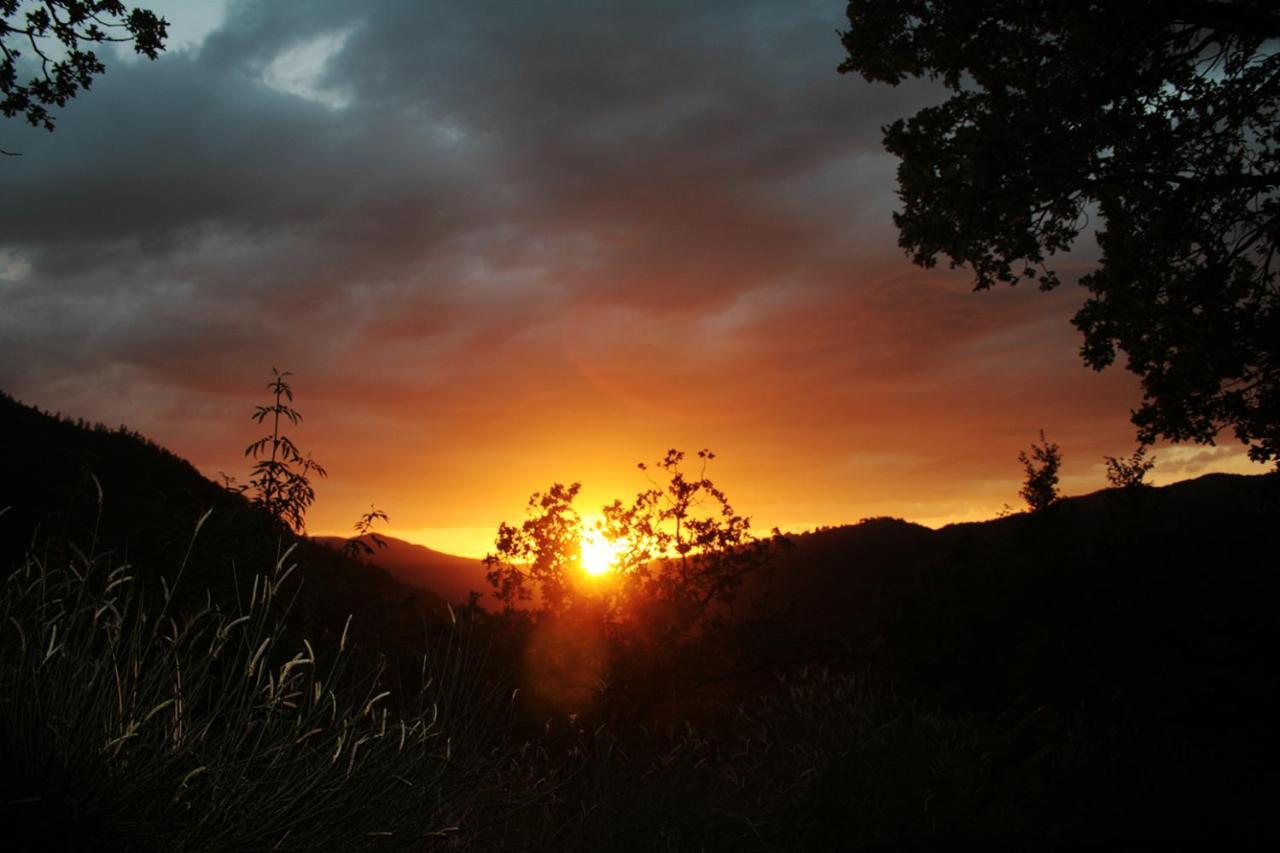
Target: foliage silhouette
x,y
281,478
543,552
65,26
365,542
1129,473
653,624
686,549
680,549
1162,122
1040,484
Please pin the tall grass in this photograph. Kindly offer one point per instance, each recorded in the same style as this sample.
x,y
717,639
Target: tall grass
x,y
126,725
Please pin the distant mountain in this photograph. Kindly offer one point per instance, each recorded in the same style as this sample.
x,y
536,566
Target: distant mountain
x,y
452,578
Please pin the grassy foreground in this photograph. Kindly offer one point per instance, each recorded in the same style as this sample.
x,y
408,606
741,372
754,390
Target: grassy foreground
x,y
128,725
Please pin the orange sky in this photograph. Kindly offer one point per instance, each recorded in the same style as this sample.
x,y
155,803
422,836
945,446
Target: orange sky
x,y
801,440
503,245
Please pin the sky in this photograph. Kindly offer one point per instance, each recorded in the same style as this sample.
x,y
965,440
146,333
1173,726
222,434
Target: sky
x,y
503,245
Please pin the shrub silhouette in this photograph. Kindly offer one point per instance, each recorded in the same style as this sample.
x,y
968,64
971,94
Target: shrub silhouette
x,y
654,625
362,545
1129,473
679,548
1040,486
543,552
687,549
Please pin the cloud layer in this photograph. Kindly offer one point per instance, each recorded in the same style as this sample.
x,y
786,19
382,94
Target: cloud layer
x,y
502,244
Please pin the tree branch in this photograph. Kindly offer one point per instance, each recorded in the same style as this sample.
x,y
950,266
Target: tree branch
x,y
1235,18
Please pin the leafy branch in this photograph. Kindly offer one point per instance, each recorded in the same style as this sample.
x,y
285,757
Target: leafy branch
x,y
362,545
71,24
281,478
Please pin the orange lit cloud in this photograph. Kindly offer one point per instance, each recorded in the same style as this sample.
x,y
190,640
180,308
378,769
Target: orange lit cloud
x,y
544,244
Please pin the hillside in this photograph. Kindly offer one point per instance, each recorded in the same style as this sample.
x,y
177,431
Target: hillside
x,y
1162,596
452,578
71,483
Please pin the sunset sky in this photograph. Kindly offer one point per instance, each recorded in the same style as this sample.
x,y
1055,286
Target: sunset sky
x,y
506,244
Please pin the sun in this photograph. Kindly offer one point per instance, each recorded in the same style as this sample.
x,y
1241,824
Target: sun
x,y
598,553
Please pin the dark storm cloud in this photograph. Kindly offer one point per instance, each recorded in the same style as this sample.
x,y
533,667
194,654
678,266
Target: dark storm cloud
x,y
501,226
490,159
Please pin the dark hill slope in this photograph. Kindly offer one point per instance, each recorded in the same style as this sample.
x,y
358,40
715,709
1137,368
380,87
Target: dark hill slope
x,y
1165,598
1124,643
452,578
50,472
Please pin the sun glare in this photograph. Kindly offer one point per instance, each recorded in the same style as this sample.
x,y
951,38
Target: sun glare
x,y
598,554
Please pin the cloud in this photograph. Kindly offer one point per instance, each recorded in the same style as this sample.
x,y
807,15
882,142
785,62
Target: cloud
x,y
14,267
473,163
505,233
1173,463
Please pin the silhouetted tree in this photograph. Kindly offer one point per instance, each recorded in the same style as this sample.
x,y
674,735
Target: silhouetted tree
x,y
1040,486
1129,473
281,478
1158,117
681,548
686,548
56,33
543,552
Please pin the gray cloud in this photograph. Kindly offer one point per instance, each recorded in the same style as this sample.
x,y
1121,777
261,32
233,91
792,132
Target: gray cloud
x,y
630,153
492,211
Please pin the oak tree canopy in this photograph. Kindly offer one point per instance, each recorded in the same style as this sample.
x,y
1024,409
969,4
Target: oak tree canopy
x,y
1152,122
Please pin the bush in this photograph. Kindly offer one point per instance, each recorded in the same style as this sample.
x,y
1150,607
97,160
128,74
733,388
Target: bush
x,y
1129,473
1040,483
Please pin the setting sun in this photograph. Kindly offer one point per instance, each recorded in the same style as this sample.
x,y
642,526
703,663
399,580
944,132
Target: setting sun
x,y
599,555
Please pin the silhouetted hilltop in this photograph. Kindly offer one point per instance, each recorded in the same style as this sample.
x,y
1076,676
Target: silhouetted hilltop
x,y
452,578
52,467
1138,626
1161,596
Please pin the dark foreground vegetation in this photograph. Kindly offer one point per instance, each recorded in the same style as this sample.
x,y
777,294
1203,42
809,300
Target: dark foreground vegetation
x,y
179,673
